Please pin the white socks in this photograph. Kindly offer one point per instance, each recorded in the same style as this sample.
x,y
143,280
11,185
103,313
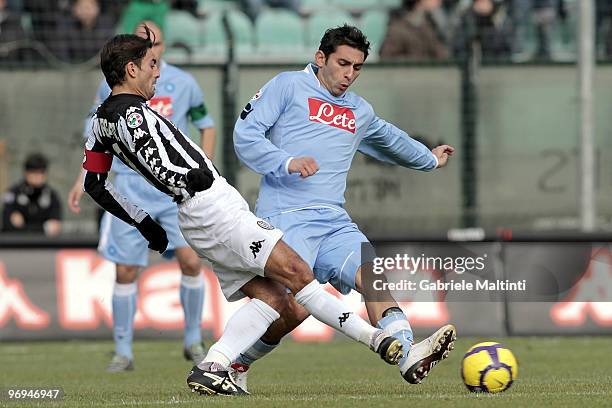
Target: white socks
x,y
243,329
330,310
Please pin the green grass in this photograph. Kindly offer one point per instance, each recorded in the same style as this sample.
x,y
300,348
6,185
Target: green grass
x,y
560,372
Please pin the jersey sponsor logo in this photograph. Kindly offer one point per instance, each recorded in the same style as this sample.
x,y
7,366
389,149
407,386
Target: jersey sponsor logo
x,y
256,247
332,115
134,120
162,105
264,225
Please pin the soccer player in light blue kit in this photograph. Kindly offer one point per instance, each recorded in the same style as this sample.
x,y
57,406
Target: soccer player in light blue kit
x,y
301,132
179,98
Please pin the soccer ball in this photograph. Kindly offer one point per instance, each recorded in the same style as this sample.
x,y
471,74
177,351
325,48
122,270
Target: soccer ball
x,y
488,367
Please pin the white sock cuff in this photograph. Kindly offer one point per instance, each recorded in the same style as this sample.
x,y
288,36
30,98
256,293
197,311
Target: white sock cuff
x,y
192,282
265,310
307,292
125,289
218,354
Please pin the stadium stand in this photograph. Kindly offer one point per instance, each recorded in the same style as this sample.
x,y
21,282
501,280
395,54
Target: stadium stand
x,y
318,23
279,32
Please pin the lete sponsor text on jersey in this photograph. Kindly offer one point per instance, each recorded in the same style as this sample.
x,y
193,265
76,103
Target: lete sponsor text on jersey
x,y
330,114
162,105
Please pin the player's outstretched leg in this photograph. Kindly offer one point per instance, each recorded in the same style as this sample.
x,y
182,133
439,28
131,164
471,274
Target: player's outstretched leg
x,y
426,354
245,326
421,357
285,266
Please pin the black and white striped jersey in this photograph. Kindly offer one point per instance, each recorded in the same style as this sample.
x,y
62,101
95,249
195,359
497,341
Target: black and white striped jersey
x,y
148,143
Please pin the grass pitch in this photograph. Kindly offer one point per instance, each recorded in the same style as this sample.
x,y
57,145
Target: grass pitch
x,y
553,371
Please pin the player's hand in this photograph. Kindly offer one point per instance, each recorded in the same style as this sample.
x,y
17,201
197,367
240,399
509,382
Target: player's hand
x,y
199,179
306,166
74,198
443,152
154,233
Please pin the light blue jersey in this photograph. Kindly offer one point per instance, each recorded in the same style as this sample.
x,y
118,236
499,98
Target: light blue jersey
x,y
294,115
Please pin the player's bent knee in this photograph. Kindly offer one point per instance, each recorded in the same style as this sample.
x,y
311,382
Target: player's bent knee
x,y
126,273
191,267
297,273
189,261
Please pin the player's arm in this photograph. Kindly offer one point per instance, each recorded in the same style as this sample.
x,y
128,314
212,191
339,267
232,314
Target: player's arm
x,y
76,191
252,146
97,165
387,143
201,119
208,140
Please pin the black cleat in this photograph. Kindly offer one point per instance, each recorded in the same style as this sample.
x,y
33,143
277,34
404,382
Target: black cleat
x,y
389,348
215,380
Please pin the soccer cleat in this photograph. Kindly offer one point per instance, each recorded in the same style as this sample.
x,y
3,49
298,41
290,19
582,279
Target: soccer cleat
x,y
119,364
389,348
239,373
195,353
213,380
426,354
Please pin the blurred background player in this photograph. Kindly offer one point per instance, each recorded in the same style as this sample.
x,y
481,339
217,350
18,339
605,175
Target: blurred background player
x,y
305,121
32,205
178,98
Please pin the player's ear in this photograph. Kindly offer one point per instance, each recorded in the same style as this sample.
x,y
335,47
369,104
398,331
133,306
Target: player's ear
x,y
320,58
130,69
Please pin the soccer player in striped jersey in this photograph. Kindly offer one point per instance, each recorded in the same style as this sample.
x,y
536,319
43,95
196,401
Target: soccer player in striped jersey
x,y
247,254
178,98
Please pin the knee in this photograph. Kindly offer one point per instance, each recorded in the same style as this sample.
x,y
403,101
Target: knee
x,y
126,273
190,264
297,273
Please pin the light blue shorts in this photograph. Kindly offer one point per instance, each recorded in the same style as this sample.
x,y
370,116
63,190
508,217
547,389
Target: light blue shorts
x,y
327,240
120,242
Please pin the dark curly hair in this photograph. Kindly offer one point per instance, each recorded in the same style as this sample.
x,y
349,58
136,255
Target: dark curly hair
x,y
344,35
119,51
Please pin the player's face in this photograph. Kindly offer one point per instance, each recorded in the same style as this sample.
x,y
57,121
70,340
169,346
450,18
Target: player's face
x,y
341,68
147,74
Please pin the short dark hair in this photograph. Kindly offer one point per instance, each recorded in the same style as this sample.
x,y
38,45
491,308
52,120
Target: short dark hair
x,y
34,162
119,51
344,35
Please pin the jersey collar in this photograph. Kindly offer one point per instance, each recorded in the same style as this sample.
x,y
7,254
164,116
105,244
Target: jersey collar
x,y
312,69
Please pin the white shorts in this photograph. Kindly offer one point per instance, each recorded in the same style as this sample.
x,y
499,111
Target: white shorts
x,y
218,225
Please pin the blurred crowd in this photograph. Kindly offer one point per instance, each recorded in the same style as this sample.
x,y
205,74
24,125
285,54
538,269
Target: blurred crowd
x,y
438,29
73,31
